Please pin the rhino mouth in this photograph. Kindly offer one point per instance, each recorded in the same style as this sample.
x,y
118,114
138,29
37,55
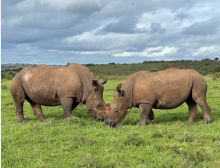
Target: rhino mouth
x,y
98,118
111,123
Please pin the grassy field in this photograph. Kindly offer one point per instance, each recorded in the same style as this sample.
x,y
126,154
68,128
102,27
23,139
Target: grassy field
x,y
115,71
83,142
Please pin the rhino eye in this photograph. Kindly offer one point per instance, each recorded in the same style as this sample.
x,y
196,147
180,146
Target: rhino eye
x,y
99,105
116,110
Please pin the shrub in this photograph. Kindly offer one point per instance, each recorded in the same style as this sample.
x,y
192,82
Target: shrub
x,y
8,76
215,75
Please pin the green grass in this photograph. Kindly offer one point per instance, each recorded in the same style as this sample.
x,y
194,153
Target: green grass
x,y
83,142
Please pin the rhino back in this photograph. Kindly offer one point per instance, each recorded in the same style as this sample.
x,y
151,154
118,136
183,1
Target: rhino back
x,y
86,76
46,84
164,89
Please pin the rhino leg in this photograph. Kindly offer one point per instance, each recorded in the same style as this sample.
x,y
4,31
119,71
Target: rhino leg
x,y
68,106
151,117
19,98
19,111
37,110
206,110
199,92
145,113
192,110
75,105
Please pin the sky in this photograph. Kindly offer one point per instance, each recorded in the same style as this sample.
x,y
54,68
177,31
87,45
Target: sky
x,y
105,31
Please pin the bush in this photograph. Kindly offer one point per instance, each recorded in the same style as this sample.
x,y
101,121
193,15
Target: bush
x,y
8,76
217,69
215,75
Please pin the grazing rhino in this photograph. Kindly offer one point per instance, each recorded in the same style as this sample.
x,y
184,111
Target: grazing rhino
x,y
159,90
57,85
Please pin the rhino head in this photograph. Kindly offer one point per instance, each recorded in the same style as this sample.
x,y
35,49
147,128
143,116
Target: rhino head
x,y
115,112
94,100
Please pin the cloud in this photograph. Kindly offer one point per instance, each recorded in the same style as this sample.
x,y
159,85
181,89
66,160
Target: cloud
x,y
109,30
84,7
123,25
150,52
108,41
156,28
203,28
207,50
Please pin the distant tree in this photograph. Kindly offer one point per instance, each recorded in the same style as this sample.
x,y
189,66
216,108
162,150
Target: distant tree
x,y
111,63
216,59
90,65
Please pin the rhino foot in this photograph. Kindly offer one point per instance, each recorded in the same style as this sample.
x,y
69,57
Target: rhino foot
x,y
152,122
143,123
207,119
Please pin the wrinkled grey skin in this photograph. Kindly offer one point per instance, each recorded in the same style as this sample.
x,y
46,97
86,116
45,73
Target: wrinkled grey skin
x,y
57,85
166,89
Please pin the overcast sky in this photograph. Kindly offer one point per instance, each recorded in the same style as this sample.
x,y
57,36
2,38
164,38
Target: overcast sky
x,y
103,31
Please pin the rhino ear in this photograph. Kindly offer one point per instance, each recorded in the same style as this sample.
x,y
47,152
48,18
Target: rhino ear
x,y
104,81
95,84
120,91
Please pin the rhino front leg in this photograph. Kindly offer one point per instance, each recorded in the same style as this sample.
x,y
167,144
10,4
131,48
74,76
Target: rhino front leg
x,y
68,105
145,111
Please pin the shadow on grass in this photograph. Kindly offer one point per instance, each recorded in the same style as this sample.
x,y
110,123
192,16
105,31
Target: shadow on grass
x,y
162,117
132,118
79,116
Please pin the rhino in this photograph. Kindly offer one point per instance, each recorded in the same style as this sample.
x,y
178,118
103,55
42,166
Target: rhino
x,y
57,85
165,89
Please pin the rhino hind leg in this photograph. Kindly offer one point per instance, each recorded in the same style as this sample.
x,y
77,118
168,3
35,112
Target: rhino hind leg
x,y
192,110
68,105
19,111
151,117
19,98
37,110
146,113
199,91
206,110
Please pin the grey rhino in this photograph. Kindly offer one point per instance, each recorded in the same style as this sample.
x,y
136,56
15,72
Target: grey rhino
x,y
57,85
165,89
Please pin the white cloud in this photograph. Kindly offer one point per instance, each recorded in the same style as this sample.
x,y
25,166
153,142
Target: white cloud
x,y
164,17
103,28
150,52
107,41
207,10
207,50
